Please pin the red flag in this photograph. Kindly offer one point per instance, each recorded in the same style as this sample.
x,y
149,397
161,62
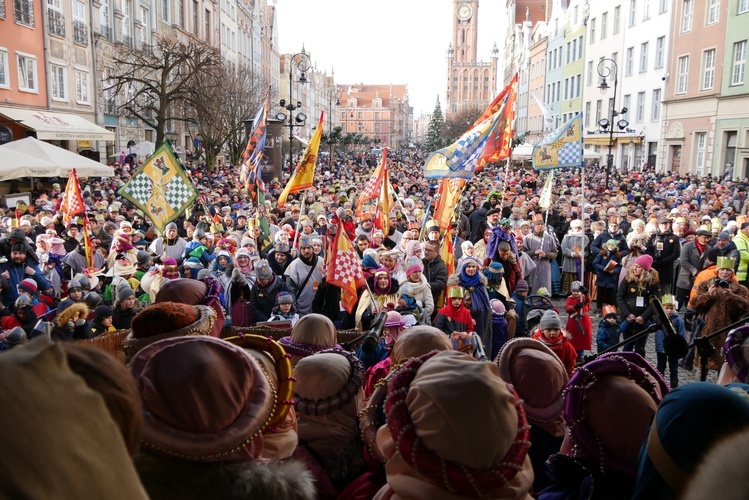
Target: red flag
x,y
448,256
87,246
373,189
344,269
498,145
447,199
72,201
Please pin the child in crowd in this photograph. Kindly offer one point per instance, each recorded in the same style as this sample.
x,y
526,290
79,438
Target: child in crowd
x,y
284,310
550,333
579,326
499,327
607,266
669,306
407,305
102,322
608,329
519,296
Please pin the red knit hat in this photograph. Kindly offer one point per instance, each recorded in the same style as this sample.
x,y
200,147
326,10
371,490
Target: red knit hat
x,y
28,285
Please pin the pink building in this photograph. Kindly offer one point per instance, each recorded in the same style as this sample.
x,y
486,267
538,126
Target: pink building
x,y
380,112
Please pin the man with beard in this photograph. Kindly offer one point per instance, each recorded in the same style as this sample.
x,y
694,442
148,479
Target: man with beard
x,y
169,245
365,226
665,247
18,268
263,294
435,269
542,248
574,244
304,275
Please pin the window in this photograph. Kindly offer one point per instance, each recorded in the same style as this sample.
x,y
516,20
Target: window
x,y
632,12
23,12
57,75
4,69
165,10
195,16
81,87
627,104
713,12
578,85
208,26
126,22
681,82
104,14
701,142
655,113
663,6
640,116
743,6
617,18
604,22
708,69
589,78
80,26
2,9
739,63
599,105
27,81
145,28
615,58
645,10
644,57
593,30
629,61
686,16
660,45
55,18
181,13
587,114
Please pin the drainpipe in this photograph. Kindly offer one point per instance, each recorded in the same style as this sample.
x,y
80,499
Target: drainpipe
x,y
94,73
46,52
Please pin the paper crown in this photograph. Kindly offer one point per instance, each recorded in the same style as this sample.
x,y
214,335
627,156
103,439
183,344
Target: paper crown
x,y
725,263
668,299
537,218
607,310
454,292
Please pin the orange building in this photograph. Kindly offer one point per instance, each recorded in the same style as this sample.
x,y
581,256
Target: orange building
x,y
380,112
23,81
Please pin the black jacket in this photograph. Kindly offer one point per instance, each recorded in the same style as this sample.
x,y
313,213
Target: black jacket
x,y
436,274
263,300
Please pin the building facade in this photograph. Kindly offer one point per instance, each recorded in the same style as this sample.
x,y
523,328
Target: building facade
x,y
471,83
537,84
379,112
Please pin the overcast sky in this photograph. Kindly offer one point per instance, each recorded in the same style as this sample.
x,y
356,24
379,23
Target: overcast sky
x,y
383,42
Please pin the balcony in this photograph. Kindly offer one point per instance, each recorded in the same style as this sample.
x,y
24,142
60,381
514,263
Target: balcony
x,y
127,40
56,23
110,107
80,32
23,12
106,32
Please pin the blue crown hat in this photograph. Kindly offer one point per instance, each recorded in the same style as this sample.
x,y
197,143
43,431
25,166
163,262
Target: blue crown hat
x,y
263,270
282,247
305,241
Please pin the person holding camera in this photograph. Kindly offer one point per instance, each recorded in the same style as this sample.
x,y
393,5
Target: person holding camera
x,y
719,301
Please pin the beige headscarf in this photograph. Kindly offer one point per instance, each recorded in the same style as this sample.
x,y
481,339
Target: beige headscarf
x,y
312,333
320,378
451,396
49,411
419,340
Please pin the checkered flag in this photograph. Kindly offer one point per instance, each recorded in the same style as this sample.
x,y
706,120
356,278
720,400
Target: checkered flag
x,y
72,200
139,188
344,269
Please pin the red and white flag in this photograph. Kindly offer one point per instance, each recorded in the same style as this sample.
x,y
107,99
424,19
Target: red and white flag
x,y
344,269
72,200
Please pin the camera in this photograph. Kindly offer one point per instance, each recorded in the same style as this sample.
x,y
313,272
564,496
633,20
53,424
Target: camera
x,y
722,284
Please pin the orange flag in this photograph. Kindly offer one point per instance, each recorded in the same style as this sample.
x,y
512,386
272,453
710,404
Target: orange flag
x,y
304,174
344,269
447,254
72,201
498,145
447,198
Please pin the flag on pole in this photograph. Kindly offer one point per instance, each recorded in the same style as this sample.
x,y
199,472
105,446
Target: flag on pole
x,y
383,207
304,173
448,256
547,112
72,200
344,270
499,144
255,151
373,188
461,157
562,148
545,199
447,199
87,246
160,188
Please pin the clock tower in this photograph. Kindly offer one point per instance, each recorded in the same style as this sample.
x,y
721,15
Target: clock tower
x,y
470,83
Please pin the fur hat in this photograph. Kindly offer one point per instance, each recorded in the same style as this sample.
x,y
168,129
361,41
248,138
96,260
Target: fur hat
x,y
550,320
284,298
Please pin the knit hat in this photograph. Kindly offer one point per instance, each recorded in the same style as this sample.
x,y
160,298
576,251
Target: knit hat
x,y
28,285
613,242
521,286
723,235
498,307
124,291
263,270
644,261
171,225
543,292
550,320
144,258
284,298
102,312
18,247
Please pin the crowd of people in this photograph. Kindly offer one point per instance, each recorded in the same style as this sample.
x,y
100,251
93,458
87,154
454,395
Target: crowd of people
x,y
475,386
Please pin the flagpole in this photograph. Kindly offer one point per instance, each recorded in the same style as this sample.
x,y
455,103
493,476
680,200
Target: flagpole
x,y
582,217
366,283
299,222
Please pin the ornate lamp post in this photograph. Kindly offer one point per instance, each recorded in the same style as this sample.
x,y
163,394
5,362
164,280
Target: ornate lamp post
x,y
608,68
302,62
334,93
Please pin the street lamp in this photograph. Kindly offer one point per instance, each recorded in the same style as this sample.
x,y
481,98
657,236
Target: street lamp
x,y
302,62
607,68
334,93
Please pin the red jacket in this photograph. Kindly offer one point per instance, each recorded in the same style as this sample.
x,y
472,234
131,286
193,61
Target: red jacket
x,y
563,350
581,341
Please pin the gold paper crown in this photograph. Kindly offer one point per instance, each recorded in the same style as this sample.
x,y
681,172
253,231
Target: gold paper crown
x,y
725,263
668,299
454,292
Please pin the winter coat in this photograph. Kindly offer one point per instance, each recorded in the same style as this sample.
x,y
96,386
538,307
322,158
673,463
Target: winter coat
x,y
608,335
663,259
66,331
435,272
607,279
563,349
451,320
568,245
605,236
263,300
678,327
581,340
690,263
122,320
626,297
499,334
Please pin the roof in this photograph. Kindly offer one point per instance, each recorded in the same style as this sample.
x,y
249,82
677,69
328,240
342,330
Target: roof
x,y
365,94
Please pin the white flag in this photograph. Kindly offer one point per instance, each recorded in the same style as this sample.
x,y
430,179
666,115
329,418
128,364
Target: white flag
x,y
548,114
545,200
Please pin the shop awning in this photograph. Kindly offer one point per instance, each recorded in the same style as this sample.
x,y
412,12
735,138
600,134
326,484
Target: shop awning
x,y
51,126
604,140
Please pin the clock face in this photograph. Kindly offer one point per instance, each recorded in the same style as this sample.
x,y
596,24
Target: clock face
x,y
464,12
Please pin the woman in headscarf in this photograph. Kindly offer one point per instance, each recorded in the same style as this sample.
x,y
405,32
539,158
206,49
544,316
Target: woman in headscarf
x,y
206,292
394,326
607,407
420,288
311,334
206,403
221,269
325,400
384,296
487,459
706,413
736,353
539,377
477,299
238,291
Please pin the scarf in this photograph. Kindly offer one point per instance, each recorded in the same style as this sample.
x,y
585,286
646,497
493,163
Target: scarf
x,y
548,342
467,281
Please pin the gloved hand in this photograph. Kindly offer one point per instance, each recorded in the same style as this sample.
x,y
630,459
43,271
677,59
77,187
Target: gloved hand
x,y
579,305
237,276
584,290
619,254
602,252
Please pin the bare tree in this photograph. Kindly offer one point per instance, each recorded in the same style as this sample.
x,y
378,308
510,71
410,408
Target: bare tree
x,y
459,123
245,93
155,83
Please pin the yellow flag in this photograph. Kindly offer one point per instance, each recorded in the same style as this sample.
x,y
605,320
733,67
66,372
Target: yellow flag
x,y
304,173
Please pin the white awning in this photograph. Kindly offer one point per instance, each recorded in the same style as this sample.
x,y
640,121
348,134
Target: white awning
x,y
51,126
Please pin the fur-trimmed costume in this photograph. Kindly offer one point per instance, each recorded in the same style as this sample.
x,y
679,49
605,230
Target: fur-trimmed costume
x,y
718,309
65,327
167,479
